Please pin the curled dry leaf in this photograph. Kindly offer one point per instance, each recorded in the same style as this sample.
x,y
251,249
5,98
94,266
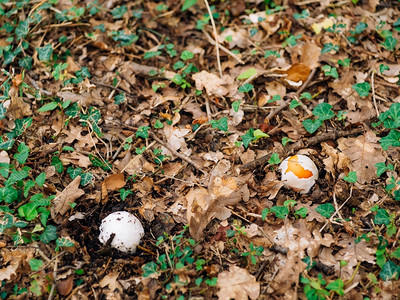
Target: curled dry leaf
x,y
64,287
62,202
237,283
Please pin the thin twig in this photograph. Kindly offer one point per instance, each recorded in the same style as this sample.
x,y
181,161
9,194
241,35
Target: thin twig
x,y
53,287
215,36
373,93
113,88
226,50
137,156
337,210
177,154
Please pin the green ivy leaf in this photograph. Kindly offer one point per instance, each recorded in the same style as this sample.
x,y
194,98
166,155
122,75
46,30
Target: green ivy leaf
x,y
28,211
149,269
27,187
264,213
351,177
120,98
312,125
22,29
325,210
26,62
124,193
35,264
336,286
382,217
248,137
247,74
362,88
389,271
8,194
323,111
143,132
221,124
40,179
186,55
49,234
235,106
389,43
151,54
329,47
73,173
63,242
16,176
45,52
294,103
382,168
302,212
23,153
280,211
271,53
118,12
274,159
392,139
86,178
245,88
188,4
57,163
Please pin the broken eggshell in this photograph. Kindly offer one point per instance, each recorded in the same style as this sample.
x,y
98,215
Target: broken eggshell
x,y
126,228
299,172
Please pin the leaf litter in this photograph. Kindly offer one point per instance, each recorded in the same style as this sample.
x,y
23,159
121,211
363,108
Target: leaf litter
x,y
120,106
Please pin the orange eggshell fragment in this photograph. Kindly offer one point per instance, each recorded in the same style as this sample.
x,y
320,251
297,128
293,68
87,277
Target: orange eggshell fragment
x,y
299,173
297,168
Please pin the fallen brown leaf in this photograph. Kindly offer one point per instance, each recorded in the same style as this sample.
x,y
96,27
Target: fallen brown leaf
x,y
237,283
62,202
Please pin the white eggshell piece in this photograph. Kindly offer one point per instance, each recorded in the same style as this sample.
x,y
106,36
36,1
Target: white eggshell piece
x,y
302,185
127,229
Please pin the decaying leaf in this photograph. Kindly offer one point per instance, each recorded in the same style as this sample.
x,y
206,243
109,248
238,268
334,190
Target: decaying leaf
x,y
237,284
204,205
62,202
115,181
365,152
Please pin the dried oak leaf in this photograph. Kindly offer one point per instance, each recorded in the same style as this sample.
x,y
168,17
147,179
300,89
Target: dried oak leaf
x,y
352,253
62,202
212,83
111,280
238,284
203,205
11,261
365,152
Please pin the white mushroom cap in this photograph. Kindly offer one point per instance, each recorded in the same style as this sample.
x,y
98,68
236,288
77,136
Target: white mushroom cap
x,y
127,229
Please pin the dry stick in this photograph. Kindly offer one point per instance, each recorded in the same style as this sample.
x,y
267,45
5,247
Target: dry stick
x,y
177,154
215,36
373,93
333,135
53,287
226,50
115,88
136,157
286,103
338,209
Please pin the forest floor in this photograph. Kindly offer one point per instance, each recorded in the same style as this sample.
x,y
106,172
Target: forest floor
x,y
181,113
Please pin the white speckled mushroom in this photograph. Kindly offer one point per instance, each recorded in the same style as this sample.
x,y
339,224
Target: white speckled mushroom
x,y
127,229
